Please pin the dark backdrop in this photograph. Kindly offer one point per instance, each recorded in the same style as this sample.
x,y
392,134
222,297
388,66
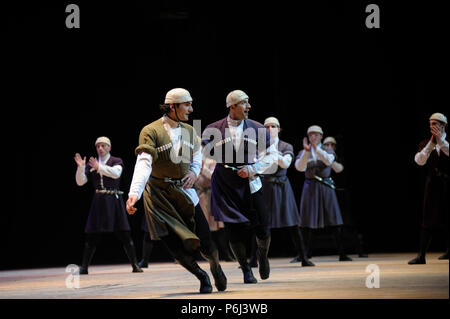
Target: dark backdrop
x,y
315,63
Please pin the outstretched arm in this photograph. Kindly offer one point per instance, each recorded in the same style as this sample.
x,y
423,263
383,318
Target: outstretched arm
x,y
142,171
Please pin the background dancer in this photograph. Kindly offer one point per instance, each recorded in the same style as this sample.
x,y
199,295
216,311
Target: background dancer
x,y
434,156
278,195
203,188
319,207
343,193
107,213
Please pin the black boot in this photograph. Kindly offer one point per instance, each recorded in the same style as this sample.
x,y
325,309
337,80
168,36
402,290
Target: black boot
x,y
299,245
147,246
262,255
425,239
88,253
339,236
131,253
240,253
191,265
221,239
220,280
361,252
253,259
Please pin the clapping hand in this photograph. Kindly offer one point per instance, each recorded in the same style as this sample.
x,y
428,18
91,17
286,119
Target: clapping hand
x,y
306,146
80,161
93,162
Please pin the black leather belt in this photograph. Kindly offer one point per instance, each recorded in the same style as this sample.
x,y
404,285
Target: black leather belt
x,y
175,181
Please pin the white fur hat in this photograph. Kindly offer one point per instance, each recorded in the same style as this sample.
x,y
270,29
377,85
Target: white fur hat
x,y
178,95
103,139
315,128
235,97
439,117
272,120
329,139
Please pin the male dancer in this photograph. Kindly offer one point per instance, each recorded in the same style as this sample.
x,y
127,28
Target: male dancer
x,y
107,212
344,198
318,206
434,156
169,159
236,196
278,194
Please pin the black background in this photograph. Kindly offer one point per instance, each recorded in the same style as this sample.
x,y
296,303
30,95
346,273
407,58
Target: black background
x,y
313,63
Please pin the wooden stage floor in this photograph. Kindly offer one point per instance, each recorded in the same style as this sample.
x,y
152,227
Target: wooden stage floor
x,y
330,279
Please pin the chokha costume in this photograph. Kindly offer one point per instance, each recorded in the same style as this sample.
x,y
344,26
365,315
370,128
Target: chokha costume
x,y
319,207
107,213
237,201
279,197
434,157
167,151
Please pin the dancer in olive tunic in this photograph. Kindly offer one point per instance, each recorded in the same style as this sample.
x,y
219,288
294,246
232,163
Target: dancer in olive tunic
x,y
107,213
169,159
433,154
319,207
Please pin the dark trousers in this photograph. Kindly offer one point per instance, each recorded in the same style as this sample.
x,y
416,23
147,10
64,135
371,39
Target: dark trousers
x,y
93,239
259,225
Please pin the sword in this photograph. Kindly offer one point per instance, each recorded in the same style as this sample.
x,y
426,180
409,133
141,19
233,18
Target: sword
x,y
320,179
237,170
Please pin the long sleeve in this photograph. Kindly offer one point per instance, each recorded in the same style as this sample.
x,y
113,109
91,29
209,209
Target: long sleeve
x,y
337,167
443,145
422,156
325,157
142,171
80,176
284,161
265,162
196,162
110,171
302,161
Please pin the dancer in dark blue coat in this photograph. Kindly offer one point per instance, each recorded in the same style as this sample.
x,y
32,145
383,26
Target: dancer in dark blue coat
x,y
241,148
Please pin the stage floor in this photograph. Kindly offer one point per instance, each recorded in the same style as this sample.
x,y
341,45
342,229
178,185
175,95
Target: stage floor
x,y
329,279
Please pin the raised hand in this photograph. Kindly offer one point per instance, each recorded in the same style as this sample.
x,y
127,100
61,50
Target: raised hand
x,y
80,161
306,146
436,132
93,162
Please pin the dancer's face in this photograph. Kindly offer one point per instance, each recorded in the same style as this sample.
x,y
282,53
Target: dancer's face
x,y
273,130
183,111
315,138
102,149
329,146
240,110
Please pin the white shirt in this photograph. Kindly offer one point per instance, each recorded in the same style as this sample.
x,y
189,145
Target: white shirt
x,y
442,145
236,131
284,161
103,169
143,167
317,154
262,163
